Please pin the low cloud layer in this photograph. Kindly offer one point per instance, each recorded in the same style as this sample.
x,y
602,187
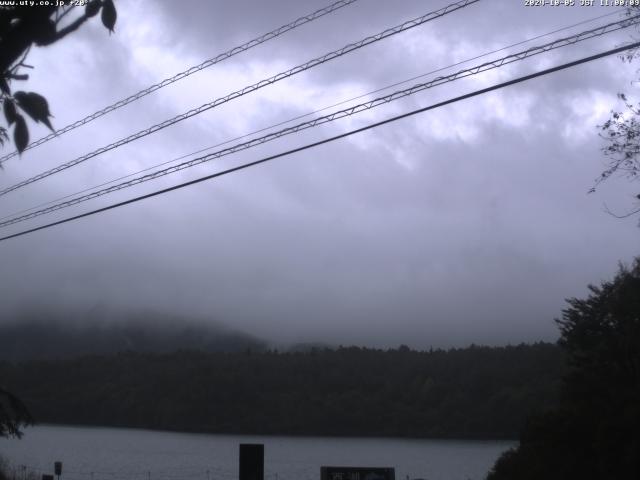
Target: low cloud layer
x,y
470,223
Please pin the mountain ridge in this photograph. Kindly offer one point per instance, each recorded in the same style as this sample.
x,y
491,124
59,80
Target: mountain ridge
x,y
40,335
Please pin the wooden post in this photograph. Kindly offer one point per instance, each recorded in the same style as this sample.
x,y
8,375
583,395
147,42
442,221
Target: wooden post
x,y
251,461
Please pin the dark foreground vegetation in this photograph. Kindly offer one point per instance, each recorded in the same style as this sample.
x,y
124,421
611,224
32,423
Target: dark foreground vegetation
x,y
476,392
594,431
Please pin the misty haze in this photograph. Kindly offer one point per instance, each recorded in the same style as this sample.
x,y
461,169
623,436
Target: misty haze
x,y
330,240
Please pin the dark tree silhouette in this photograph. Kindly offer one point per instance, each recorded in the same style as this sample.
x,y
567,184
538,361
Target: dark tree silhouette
x,y
595,432
13,415
21,27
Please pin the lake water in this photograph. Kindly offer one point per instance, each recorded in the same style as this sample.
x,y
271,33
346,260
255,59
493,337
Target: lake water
x,y
127,454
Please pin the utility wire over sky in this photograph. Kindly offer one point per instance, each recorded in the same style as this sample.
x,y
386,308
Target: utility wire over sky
x,y
299,117
251,88
515,57
190,71
336,137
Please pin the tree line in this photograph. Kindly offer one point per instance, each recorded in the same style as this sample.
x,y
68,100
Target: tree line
x,y
475,392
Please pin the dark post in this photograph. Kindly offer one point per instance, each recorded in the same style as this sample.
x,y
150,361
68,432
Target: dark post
x,y
251,461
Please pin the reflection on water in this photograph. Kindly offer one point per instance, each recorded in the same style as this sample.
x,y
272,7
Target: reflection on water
x,y
127,454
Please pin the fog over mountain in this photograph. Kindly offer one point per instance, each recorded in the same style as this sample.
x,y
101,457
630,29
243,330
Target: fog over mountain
x,y
41,333
468,223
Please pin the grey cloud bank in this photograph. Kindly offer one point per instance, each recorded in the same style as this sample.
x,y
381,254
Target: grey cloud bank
x,y
467,224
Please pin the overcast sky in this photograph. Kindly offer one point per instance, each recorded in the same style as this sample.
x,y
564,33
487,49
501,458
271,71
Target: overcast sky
x,y
469,223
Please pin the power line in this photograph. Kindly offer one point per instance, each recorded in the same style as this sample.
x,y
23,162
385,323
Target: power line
x,y
331,139
190,71
256,86
298,117
537,50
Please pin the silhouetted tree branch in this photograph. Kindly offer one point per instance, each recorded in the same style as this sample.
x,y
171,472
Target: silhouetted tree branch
x,y
20,28
622,133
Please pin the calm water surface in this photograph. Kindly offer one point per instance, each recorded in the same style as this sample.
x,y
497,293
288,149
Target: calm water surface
x,y
127,454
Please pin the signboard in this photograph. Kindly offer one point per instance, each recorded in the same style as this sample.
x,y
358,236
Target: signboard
x,y
47,477
357,473
57,468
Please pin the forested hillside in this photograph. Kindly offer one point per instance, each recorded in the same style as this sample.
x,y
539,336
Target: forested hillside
x,y
476,392
43,335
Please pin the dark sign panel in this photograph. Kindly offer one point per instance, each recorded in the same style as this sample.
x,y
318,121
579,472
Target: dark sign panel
x,y
357,473
57,467
47,477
